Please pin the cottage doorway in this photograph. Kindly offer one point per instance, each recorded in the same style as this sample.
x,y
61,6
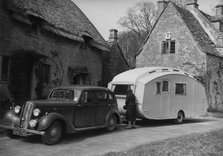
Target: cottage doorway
x,y
21,71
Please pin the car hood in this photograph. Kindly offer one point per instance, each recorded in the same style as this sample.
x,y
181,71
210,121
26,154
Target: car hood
x,y
50,102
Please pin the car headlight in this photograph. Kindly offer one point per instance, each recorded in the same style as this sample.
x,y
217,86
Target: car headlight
x,y
17,109
36,112
32,123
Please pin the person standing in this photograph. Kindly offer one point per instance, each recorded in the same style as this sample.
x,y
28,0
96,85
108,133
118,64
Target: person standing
x,y
130,109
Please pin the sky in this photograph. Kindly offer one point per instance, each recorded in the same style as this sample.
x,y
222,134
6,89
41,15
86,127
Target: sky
x,y
104,14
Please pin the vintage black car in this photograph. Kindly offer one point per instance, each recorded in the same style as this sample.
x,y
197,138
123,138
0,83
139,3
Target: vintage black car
x,y
68,109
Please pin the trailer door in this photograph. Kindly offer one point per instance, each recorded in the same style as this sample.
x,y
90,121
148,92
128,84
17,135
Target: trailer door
x,y
165,99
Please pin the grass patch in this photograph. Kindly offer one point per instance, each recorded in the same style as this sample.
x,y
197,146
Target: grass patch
x,y
210,144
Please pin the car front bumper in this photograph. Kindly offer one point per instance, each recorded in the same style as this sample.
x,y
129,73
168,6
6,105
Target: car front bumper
x,y
21,131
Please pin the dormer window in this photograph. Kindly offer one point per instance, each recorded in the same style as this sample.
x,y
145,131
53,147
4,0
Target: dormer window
x,y
168,46
31,30
83,46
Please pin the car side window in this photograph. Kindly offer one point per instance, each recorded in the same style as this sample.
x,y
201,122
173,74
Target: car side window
x,y
101,96
87,97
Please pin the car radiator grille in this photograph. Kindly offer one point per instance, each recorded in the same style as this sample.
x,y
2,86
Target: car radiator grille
x,y
26,114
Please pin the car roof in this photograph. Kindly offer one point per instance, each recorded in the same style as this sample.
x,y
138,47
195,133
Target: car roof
x,y
81,87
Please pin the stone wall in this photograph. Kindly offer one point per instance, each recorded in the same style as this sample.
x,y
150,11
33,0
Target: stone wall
x,y
113,64
214,84
187,56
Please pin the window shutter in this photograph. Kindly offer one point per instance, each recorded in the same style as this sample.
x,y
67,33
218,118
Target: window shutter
x,y
5,68
46,73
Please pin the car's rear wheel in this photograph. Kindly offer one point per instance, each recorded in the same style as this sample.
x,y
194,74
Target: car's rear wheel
x,y
111,123
10,134
53,133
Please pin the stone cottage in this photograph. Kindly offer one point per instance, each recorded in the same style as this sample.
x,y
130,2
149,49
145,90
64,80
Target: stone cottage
x,y
191,40
46,43
113,62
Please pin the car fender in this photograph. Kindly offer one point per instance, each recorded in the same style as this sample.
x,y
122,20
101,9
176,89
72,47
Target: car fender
x,y
11,118
116,113
48,119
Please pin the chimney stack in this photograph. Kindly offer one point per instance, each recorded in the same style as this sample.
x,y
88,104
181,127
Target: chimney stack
x,y
191,4
161,5
113,37
219,8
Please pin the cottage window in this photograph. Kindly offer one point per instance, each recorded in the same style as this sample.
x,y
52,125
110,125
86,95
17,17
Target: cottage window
x,y
32,30
80,78
83,46
168,46
180,89
5,68
46,73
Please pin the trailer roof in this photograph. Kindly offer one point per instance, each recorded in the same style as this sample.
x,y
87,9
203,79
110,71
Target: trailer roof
x,y
133,75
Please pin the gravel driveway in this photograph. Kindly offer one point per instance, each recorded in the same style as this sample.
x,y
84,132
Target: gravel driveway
x,y
99,142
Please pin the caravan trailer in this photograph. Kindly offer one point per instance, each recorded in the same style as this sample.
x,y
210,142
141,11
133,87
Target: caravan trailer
x,y
161,93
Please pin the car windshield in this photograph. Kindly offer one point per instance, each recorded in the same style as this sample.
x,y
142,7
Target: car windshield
x,y
65,94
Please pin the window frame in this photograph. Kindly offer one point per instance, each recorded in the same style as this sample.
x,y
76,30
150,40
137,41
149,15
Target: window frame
x,y
32,30
161,87
86,102
168,86
184,88
100,101
158,89
81,78
5,76
48,74
122,89
167,47
83,46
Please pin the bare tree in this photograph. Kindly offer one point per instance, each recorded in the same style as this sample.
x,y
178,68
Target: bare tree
x,y
181,3
137,23
140,18
129,42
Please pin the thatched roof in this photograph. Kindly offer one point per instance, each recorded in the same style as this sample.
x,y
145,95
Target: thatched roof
x,y
62,17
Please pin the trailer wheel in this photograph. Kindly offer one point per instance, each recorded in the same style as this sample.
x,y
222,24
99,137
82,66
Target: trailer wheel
x,y
180,117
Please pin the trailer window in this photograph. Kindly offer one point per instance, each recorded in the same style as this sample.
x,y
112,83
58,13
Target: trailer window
x,y
121,89
180,89
158,87
165,87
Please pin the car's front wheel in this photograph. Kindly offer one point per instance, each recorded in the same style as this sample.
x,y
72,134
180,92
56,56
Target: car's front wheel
x,y
53,133
111,123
